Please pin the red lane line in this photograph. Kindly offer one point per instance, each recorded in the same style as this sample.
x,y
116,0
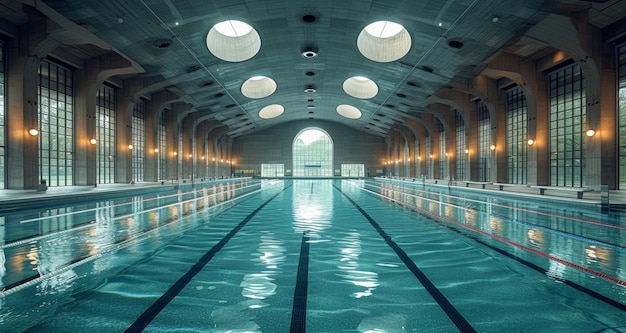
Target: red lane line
x,y
524,247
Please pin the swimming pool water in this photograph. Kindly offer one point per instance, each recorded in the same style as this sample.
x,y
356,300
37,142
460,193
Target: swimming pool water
x,y
316,255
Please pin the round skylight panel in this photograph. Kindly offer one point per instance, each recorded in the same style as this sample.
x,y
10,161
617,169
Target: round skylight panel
x,y
384,41
271,111
348,111
233,41
258,87
360,87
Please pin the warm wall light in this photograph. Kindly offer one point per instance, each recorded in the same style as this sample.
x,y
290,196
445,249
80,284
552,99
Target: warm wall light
x,y
446,154
93,141
175,153
202,157
130,147
213,159
431,156
531,142
467,151
156,150
33,131
590,132
190,155
492,147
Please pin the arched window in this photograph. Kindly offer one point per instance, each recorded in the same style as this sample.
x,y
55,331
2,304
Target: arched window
x,y
312,153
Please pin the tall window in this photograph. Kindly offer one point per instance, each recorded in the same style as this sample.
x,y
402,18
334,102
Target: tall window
x,y
352,170
516,135
105,130
162,138
429,157
56,119
567,125
2,113
621,115
484,141
461,156
443,158
272,170
139,141
312,154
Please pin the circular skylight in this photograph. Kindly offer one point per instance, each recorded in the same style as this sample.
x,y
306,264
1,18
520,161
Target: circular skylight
x,y
233,41
360,87
258,87
384,29
271,111
348,111
384,41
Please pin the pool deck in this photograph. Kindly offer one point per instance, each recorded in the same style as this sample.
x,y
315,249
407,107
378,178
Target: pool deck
x,y
15,198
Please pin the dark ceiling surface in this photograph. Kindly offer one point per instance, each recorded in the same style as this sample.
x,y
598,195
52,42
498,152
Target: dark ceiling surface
x,y
450,40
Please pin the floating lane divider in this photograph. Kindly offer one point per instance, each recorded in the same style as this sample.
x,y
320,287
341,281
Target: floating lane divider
x,y
147,316
461,323
438,218
298,313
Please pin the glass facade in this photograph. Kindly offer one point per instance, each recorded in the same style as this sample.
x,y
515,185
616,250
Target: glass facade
x,y
139,140
566,88
516,135
162,143
443,158
105,131
352,170
56,120
312,154
2,121
272,170
621,116
461,156
484,141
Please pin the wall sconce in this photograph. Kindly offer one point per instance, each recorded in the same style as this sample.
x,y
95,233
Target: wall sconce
x,y
431,156
190,156
467,151
175,153
531,142
492,147
93,141
419,158
590,132
130,147
213,159
446,154
202,157
33,132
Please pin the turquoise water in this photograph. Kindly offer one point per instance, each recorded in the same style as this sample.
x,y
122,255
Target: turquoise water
x,y
314,255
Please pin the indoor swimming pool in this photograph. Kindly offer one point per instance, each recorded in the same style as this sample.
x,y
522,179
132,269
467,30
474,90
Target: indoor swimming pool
x,y
308,255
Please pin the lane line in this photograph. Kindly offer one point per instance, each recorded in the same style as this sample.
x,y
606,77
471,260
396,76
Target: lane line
x,y
588,291
461,323
149,314
298,312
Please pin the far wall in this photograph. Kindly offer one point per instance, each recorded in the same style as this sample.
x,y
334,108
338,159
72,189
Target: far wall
x,y
274,146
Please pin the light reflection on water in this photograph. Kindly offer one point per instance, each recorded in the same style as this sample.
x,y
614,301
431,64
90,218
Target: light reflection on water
x,y
311,210
269,255
349,263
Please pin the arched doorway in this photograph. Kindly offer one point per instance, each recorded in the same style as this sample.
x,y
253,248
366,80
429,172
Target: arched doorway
x,y
312,153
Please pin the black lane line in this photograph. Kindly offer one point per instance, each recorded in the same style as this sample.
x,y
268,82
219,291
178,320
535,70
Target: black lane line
x,y
147,316
461,323
298,312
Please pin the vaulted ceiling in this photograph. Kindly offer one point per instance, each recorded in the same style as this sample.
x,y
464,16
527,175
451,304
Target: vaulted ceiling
x,y
309,49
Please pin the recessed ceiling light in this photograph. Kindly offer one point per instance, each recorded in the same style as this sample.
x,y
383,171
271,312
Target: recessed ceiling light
x,y
309,54
310,90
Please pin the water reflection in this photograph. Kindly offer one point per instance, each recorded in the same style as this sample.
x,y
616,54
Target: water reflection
x,y
349,263
269,255
312,207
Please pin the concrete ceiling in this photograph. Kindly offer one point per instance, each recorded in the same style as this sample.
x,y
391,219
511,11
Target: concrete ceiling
x,y
167,38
